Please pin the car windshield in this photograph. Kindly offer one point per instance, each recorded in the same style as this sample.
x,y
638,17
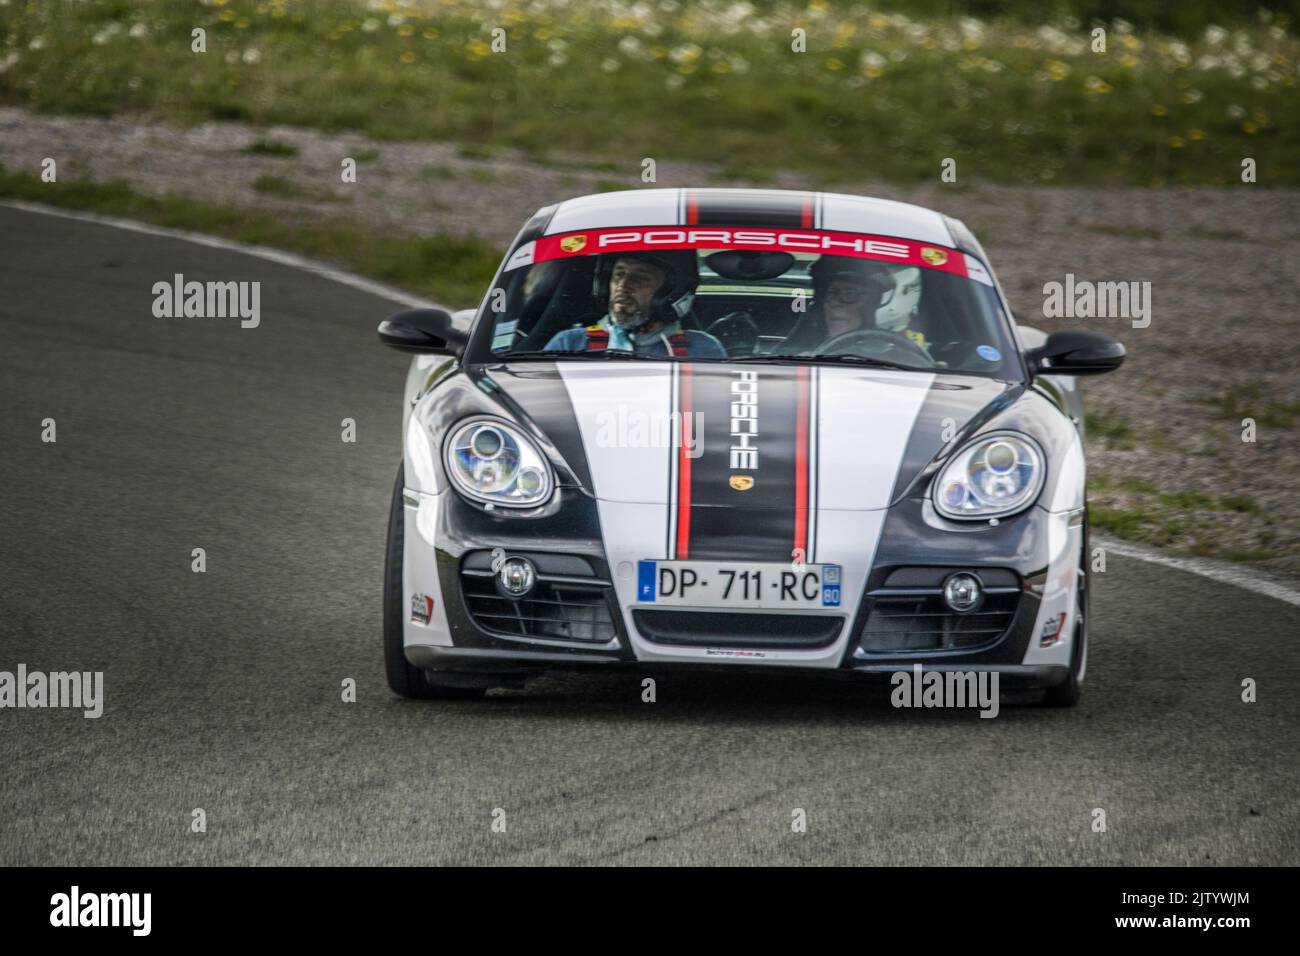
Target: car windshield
x,y
750,295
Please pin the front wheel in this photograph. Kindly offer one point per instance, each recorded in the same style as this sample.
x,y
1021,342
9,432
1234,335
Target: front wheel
x,y
404,679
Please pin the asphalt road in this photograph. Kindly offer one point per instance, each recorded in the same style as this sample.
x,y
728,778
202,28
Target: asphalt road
x,y
222,689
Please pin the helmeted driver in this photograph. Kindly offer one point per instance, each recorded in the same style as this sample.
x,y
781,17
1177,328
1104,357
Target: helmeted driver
x,y
857,295
645,295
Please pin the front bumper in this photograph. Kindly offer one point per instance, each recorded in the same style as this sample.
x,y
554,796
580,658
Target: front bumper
x,y
448,542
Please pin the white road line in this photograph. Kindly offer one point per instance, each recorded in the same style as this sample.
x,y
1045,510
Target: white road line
x,y
1221,571
261,252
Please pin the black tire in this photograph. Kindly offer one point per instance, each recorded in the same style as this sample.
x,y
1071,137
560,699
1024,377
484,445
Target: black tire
x,y
1066,693
405,679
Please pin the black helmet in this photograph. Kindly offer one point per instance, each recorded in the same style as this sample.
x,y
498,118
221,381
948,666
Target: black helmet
x,y
672,300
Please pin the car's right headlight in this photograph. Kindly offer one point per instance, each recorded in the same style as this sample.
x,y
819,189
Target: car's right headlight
x,y
993,476
492,461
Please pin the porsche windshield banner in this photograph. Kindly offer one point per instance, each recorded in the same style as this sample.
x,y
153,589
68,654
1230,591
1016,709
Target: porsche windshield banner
x,y
852,245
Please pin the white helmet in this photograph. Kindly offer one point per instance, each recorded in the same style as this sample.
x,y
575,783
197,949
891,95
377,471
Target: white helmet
x,y
899,304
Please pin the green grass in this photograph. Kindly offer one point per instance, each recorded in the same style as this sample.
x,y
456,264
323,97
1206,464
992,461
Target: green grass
x,y
1017,97
1240,503
285,188
1251,401
1187,500
270,147
437,171
1192,522
1115,431
452,270
276,186
475,151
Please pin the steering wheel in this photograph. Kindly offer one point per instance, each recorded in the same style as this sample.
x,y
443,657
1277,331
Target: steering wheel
x,y
737,331
874,343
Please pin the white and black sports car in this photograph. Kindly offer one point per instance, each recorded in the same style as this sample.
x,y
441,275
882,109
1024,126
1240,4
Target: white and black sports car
x,y
738,428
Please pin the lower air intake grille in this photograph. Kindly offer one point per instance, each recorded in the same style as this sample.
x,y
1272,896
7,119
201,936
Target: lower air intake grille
x,y
735,629
561,606
908,613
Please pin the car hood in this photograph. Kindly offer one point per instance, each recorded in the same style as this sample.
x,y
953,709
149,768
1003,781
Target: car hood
x,y
747,437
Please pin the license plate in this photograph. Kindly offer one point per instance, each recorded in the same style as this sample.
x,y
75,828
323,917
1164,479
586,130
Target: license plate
x,y
730,584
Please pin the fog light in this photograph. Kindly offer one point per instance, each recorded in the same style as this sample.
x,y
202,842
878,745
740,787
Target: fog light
x,y
516,577
962,592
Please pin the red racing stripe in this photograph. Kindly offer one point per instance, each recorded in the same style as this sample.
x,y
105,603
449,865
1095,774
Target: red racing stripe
x,y
801,461
806,212
692,208
684,466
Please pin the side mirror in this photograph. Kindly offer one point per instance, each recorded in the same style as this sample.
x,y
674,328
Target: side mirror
x,y
1075,352
423,330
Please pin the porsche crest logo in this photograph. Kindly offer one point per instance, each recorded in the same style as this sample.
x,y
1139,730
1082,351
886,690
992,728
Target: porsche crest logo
x,y
573,243
742,482
936,257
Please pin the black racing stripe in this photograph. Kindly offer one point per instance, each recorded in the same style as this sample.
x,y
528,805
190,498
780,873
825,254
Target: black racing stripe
x,y
955,407
756,524
537,392
740,208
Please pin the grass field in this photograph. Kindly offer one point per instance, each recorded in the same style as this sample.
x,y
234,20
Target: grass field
x,y
1014,99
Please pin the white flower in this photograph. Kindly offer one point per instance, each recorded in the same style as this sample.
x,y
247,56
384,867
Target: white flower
x,y
138,30
610,65
251,56
370,25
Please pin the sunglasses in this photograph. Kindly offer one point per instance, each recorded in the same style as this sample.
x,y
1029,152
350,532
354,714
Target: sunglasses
x,y
848,294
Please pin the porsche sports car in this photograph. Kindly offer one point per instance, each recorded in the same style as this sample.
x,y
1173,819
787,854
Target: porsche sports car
x,y
720,428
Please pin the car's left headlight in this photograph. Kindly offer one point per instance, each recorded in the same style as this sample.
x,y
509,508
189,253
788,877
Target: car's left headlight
x,y
994,476
492,461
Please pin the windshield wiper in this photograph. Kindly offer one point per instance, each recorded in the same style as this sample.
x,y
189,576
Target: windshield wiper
x,y
836,359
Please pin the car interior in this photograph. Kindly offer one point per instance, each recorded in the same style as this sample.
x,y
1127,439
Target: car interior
x,y
745,300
